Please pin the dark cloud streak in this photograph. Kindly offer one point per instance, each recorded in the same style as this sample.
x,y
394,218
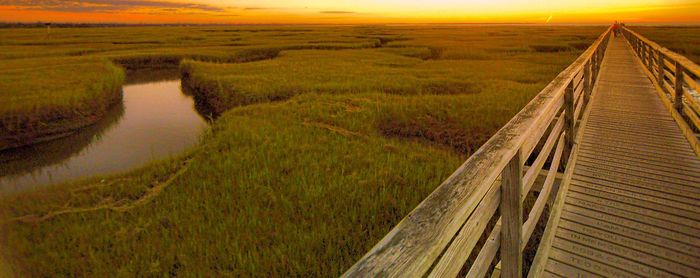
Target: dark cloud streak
x,y
108,5
337,12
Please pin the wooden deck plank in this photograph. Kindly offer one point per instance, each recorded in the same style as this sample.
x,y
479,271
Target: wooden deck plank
x,y
632,233
639,215
630,254
683,158
651,140
564,270
691,172
637,200
637,146
627,241
648,144
618,262
586,264
641,163
687,194
637,132
604,119
631,175
605,201
550,275
633,126
659,231
688,176
626,117
668,205
678,162
629,113
625,177
621,158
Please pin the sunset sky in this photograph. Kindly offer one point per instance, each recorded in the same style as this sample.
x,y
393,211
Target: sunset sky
x,y
350,11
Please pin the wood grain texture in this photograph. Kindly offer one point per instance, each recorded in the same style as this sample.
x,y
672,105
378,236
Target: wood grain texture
x,y
512,219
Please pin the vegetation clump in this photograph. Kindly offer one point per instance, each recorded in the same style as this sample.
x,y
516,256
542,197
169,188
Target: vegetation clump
x,y
549,48
48,98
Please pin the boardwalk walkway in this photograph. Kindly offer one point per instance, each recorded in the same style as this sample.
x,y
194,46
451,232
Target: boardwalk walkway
x,y
627,203
633,203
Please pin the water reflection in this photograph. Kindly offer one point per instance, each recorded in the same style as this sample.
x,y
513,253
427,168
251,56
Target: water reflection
x,y
155,120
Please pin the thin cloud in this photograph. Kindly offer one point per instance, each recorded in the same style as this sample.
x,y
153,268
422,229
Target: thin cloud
x,y
107,5
337,12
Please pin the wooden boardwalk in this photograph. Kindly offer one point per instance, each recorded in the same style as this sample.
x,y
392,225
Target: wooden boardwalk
x,y
632,207
621,123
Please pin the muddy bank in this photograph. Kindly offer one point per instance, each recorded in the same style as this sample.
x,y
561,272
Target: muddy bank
x,y
28,129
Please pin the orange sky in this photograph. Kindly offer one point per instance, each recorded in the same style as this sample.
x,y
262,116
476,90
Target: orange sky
x,y
351,11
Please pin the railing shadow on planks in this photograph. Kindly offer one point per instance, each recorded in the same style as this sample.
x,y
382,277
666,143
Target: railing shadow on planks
x,y
440,234
676,79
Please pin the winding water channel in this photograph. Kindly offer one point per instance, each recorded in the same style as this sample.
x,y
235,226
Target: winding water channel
x,y
154,120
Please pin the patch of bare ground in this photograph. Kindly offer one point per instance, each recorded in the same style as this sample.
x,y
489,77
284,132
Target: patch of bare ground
x,y
446,132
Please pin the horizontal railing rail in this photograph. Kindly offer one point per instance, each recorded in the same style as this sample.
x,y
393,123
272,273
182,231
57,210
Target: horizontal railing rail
x,y
676,77
438,236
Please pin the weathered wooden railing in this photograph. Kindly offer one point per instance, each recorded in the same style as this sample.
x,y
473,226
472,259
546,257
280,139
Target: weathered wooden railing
x,y
677,80
439,235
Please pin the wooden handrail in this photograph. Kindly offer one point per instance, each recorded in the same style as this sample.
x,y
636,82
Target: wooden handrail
x,y
675,77
439,234
689,65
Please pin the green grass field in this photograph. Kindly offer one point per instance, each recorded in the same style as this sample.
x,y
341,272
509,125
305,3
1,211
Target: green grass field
x,y
327,137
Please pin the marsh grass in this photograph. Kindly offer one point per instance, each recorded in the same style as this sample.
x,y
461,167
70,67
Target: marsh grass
x,y
53,84
265,211
684,40
46,97
317,153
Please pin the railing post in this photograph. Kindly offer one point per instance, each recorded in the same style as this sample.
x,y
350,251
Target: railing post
x,y
594,66
569,121
650,61
587,88
678,103
639,47
596,62
660,68
511,214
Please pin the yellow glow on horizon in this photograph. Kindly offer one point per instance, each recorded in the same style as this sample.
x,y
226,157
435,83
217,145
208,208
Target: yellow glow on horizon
x,y
366,11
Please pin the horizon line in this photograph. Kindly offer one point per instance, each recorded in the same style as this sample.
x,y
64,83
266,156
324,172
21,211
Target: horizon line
x,y
336,24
